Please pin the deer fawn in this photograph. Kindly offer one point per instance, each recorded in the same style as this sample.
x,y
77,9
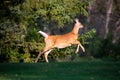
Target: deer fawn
x,y
61,41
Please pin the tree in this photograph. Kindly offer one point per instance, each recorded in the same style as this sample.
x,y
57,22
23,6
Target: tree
x,y
104,17
108,12
19,40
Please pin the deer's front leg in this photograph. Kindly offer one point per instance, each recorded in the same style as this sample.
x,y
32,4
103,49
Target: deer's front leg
x,y
83,49
79,45
77,50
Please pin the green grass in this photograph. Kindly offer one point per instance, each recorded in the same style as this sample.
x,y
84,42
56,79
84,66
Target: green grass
x,y
60,71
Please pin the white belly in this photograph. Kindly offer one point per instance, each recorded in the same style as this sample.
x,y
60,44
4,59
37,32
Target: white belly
x,y
62,45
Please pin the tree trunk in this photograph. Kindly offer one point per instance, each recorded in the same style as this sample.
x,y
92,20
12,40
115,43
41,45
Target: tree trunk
x,y
108,12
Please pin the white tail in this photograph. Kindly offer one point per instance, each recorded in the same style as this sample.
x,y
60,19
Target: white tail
x,y
43,34
61,41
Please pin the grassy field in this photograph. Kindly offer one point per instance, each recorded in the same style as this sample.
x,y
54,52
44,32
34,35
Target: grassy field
x,y
60,71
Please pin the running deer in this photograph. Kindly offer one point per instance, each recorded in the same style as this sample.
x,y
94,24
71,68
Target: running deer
x,y
61,41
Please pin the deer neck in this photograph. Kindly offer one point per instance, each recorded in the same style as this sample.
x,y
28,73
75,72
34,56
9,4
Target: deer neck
x,y
75,30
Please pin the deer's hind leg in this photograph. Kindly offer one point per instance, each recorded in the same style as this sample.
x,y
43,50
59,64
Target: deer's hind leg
x,y
45,50
46,55
40,53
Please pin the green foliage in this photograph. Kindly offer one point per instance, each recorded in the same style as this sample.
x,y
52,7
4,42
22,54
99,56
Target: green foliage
x,y
14,56
103,48
90,34
60,11
19,38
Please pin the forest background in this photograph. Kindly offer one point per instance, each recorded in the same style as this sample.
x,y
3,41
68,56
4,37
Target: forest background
x,y
20,21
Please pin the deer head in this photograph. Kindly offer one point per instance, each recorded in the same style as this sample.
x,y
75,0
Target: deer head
x,y
78,24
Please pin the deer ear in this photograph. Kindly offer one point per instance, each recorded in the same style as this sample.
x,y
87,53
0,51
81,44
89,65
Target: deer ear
x,y
76,20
